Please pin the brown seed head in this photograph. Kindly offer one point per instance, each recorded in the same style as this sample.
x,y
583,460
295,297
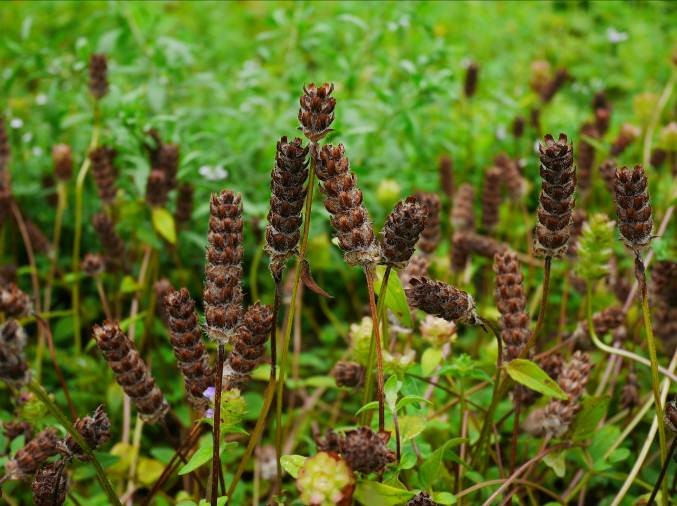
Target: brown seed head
x,y
463,212
348,374
62,158
556,201
446,168
432,231
471,78
249,347
417,267
98,75
317,111
28,459
442,300
511,302
14,302
626,135
511,175
104,172
401,232
13,366
50,484
112,245
572,380
671,415
491,198
156,188
518,125
365,451
421,499
92,265
468,243
94,430
184,204
586,155
633,207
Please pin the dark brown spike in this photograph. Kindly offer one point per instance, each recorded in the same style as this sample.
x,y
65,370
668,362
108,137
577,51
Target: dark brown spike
x,y
511,303
316,113
13,366
471,79
401,232
98,75
104,172
112,245
14,302
95,431
62,159
446,168
463,212
50,484
633,207
365,451
28,459
491,198
442,300
348,374
184,204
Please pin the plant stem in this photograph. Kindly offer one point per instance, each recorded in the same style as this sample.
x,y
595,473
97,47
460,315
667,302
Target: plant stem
x,y
664,470
544,306
136,444
369,380
39,392
292,307
655,381
376,340
216,454
77,234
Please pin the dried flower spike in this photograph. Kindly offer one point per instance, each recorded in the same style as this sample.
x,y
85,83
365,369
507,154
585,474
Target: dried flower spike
x,y
572,380
112,245
184,204
131,373
13,365
633,207
463,212
626,135
92,265
491,198
50,485
401,232
471,77
556,201
317,111
286,202
446,168
349,217
249,346
432,231
156,188
62,158
223,271
467,243
103,172
95,431
365,451
28,459
98,75
186,339
348,374
417,267
511,303
518,125
442,300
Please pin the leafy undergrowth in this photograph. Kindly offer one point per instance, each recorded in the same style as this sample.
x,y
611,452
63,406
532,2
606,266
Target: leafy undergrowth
x,y
490,322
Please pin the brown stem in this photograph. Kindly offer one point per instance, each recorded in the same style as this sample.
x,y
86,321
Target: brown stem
x,y
369,274
18,218
216,455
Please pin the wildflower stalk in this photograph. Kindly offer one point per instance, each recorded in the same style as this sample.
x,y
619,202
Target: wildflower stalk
x,y
292,307
216,433
40,393
376,343
77,234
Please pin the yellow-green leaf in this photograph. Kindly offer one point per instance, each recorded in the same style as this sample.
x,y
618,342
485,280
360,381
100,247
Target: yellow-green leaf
x,y
527,373
395,298
292,464
373,492
163,223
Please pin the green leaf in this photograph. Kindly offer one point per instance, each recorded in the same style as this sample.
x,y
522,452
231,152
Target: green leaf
x,y
199,458
527,373
373,492
592,411
411,399
411,426
391,388
433,467
430,359
163,222
602,440
396,300
444,498
368,406
129,285
408,460
556,462
619,455
292,464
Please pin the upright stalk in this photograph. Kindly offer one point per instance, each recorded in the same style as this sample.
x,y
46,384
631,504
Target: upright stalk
x,y
77,235
216,455
376,341
292,307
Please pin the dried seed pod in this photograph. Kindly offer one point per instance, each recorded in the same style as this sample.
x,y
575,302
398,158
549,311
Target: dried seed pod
x,y
511,175
432,231
554,85
249,347
608,319
556,201
112,245
13,366
365,451
421,499
518,125
62,158
184,204
92,265
348,374
401,232
94,430
223,270
471,77
442,300
663,292
491,198
317,111
28,459
417,267
131,373
466,244
633,207
343,200
98,75
15,428
630,392
288,194
586,155
572,380
186,339
446,169
104,172
463,212
157,188
626,135
14,302
511,302
50,484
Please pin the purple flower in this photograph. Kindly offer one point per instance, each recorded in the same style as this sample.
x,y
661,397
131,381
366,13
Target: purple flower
x,y
209,413
209,393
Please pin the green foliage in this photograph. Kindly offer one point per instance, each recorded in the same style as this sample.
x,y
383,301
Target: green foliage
x,y
594,248
529,374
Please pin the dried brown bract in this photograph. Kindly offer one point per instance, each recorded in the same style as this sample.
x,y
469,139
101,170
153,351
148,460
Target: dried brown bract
x,y
184,204
417,267
518,126
586,155
186,340
446,168
249,347
317,111
112,245
511,303
421,499
223,271
626,135
554,85
98,75
94,430
14,302
556,201
157,188
491,198
633,207
572,380
365,451
288,195
432,231
343,200
92,265
131,373
468,243
62,158
28,459
348,374
50,484
471,78
13,366
463,212
511,174
104,172
442,300
401,232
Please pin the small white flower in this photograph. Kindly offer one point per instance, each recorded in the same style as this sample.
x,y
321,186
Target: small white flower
x,y
216,173
16,123
37,151
501,132
41,99
614,36
27,137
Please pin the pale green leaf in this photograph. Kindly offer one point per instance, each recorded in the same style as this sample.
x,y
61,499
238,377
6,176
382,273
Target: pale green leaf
x,y
373,492
555,461
529,374
163,223
395,298
430,359
592,411
292,464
